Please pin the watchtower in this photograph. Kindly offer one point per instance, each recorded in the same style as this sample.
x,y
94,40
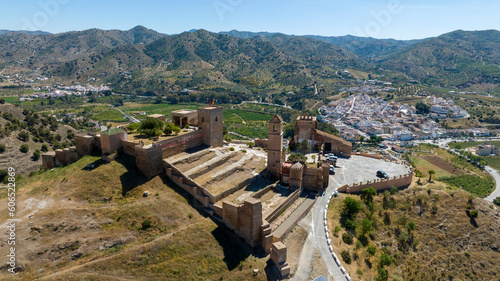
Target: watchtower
x,y
275,147
210,121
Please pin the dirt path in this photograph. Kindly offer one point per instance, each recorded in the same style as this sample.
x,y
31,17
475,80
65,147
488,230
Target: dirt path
x,y
48,277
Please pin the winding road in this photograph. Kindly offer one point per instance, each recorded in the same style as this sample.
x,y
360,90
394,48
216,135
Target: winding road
x,y
314,223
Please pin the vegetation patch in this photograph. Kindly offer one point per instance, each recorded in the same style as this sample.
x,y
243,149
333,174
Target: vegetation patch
x,y
480,186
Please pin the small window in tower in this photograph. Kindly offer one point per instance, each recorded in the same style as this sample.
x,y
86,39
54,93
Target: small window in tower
x,y
202,119
275,128
215,118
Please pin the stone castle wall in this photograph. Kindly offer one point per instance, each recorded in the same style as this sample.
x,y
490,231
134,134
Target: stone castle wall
x,y
379,184
181,143
149,160
312,179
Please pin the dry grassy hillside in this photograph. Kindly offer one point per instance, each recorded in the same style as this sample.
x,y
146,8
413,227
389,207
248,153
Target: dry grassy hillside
x,y
13,157
428,232
78,223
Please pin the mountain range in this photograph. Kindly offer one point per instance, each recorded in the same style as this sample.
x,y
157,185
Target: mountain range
x,y
144,59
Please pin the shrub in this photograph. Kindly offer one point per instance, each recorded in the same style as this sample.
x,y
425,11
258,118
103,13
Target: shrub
x,y
412,225
146,224
337,229
347,238
382,274
190,215
346,256
474,214
387,218
244,151
372,249
366,226
394,190
171,128
2,148
24,148
297,157
385,259
24,136
231,148
351,224
496,200
45,148
36,155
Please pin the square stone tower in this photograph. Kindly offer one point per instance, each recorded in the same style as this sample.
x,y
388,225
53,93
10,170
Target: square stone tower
x,y
210,120
275,147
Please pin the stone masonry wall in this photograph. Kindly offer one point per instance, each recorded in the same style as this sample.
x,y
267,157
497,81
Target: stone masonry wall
x,y
379,184
181,143
312,179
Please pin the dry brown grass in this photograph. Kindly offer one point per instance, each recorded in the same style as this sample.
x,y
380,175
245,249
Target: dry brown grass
x,y
79,224
450,245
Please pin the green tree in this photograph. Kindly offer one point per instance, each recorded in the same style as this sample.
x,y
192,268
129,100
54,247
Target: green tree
x,y
151,127
367,195
45,148
24,148
431,172
171,128
296,157
351,207
422,108
133,127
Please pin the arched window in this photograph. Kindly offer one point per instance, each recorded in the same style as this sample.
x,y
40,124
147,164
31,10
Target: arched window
x,y
202,119
275,128
215,118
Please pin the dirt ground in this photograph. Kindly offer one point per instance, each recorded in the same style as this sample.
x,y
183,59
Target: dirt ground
x,y
294,243
443,164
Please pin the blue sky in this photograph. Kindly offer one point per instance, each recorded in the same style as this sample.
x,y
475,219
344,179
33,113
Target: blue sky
x,y
399,19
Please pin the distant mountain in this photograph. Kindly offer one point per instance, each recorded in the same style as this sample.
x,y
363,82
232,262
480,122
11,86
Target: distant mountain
x,y
50,51
459,58
143,59
212,59
38,32
361,46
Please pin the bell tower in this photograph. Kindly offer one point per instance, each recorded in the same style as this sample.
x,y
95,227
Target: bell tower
x,y
275,147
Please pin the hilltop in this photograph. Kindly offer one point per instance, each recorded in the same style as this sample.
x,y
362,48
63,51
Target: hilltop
x,y
78,223
426,232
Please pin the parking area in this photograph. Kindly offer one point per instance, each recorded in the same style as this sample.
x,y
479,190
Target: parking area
x,y
361,169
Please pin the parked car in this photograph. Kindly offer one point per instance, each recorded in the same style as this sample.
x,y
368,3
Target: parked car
x,y
382,174
332,170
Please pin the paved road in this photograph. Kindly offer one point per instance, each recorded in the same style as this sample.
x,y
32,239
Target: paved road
x,y
351,170
496,176
131,118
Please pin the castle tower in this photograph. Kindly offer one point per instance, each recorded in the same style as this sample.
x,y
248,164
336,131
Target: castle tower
x,y
210,120
275,147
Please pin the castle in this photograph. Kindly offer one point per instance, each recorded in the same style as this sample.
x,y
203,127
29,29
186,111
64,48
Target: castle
x,y
235,187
